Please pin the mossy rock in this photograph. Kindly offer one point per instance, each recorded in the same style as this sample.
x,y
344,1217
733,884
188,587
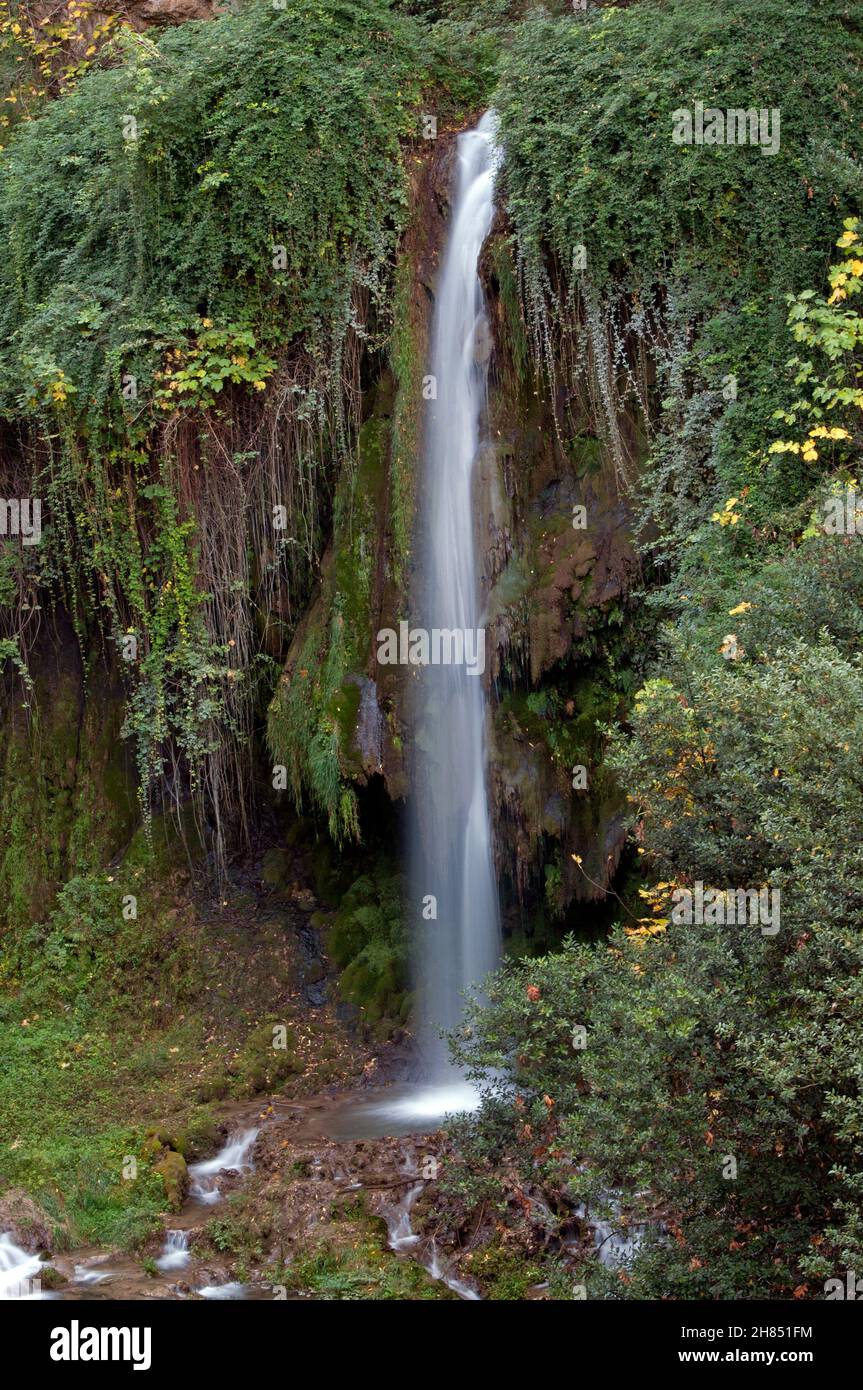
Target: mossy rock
x,y
165,844
51,1278
199,1137
157,1138
29,1225
329,872
175,1178
274,868
301,832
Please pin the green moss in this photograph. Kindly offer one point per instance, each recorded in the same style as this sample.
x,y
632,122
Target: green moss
x,y
274,867
408,356
67,802
175,1178
343,710
359,507
360,1271
368,940
517,356
262,1065
312,717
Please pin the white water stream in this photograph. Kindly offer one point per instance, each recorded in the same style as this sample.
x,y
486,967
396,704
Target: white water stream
x,y
175,1252
451,846
234,1157
19,1272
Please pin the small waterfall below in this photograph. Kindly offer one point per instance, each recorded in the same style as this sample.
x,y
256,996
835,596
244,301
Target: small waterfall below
x,y
451,849
234,1157
19,1272
175,1252
404,1240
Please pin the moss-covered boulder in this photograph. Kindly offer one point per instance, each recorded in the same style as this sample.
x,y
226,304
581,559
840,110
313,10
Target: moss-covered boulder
x,y
174,1173
368,940
51,1278
198,1137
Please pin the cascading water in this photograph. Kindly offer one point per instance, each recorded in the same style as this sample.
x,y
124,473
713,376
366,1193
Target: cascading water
x,y
175,1252
234,1157
450,832
451,852
452,855
19,1271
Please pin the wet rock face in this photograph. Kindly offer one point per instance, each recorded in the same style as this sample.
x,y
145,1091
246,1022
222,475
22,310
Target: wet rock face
x,y
67,780
555,559
369,733
558,565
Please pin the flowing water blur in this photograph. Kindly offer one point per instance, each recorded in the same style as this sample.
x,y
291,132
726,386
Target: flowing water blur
x,y
19,1272
234,1157
451,861
175,1252
451,844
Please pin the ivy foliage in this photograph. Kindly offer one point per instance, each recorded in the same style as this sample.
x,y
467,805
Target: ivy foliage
x,y
690,250
220,206
586,117
245,169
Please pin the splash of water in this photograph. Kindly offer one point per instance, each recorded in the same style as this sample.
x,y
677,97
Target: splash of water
x,y
19,1272
451,858
175,1252
234,1157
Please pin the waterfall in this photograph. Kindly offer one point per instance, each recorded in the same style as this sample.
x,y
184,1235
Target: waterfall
x,y
234,1157
452,873
175,1252
19,1272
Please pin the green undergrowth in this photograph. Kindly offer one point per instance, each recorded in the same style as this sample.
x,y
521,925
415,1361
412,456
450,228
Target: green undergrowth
x,y
363,1271
113,1026
368,941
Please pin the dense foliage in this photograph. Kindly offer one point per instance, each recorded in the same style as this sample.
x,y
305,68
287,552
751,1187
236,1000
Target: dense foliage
x,y
206,270
675,311
201,241
699,1084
